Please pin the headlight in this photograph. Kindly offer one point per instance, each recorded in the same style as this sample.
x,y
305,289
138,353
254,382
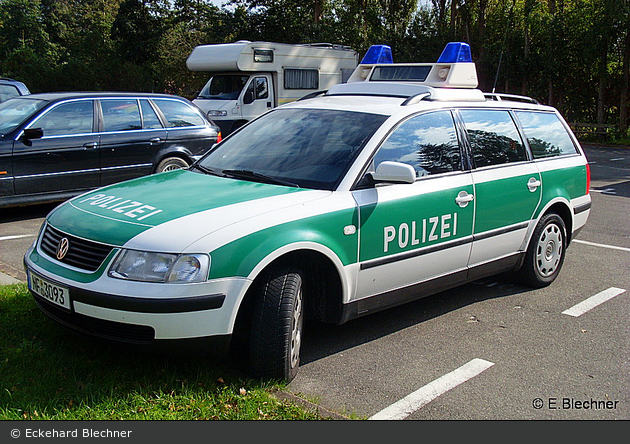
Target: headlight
x,y
217,113
160,267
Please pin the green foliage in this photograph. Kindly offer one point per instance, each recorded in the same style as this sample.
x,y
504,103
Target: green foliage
x,y
572,54
47,372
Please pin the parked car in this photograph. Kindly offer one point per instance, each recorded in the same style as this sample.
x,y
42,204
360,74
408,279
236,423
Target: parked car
x,y
54,146
11,88
403,182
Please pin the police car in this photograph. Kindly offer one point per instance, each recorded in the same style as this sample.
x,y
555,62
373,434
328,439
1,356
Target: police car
x,y
401,183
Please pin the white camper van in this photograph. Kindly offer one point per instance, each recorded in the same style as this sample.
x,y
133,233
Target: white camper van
x,y
250,78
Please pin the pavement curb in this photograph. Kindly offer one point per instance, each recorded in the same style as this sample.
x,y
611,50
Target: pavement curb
x,y
5,279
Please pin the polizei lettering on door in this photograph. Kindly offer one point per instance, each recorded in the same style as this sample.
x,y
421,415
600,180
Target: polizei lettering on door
x,y
420,232
126,207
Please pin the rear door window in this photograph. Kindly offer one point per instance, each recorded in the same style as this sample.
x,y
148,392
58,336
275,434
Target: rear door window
x,y
546,135
121,115
493,137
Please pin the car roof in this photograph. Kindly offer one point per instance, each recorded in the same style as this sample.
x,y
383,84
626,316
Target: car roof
x,y
56,96
387,99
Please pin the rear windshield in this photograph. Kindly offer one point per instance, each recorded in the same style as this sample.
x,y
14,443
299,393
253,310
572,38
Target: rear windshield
x,y
15,111
310,148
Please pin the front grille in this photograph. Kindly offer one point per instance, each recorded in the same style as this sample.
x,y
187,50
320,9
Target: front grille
x,y
83,254
118,331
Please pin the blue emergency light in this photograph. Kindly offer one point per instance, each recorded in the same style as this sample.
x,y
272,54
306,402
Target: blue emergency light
x,y
378,54
455,52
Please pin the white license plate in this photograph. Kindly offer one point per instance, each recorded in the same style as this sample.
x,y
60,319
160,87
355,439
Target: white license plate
x,y
54,293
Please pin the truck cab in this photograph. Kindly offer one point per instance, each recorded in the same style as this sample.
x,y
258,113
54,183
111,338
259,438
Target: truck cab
x,y
232,99
250,78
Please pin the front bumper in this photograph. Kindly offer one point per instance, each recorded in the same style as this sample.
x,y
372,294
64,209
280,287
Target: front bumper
x,y
121,310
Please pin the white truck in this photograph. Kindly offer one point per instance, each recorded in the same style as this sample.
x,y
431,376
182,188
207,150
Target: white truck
x,y
250,78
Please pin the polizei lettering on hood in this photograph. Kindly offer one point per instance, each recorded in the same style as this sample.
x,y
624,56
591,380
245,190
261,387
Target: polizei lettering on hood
x,y
127,207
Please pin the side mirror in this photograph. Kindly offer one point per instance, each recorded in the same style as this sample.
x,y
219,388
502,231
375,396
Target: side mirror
x,y
394,172
30,134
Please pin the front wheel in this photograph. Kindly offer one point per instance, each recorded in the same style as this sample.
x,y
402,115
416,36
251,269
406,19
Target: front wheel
x,y
277,324
546,252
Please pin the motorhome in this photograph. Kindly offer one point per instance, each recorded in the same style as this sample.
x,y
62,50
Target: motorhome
x,y
250,78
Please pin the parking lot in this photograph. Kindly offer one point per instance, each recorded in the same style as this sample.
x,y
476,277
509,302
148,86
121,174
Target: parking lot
x,y
488,350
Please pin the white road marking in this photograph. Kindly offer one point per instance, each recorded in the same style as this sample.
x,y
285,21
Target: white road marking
x,y
593,244
606,191
16,236
593,301
424,395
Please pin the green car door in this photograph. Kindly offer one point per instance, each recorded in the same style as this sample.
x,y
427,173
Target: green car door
x,y
507,187
412,233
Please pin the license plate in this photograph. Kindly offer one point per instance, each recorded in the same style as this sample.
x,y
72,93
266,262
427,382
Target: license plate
x,y
54,293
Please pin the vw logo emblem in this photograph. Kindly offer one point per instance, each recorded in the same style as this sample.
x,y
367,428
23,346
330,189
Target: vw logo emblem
x,y
62,248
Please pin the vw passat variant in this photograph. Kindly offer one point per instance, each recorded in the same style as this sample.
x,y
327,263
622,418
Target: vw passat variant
x,y
401,183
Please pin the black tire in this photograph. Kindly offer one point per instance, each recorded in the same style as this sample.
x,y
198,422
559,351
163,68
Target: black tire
x,y
170,164
277,323
545,253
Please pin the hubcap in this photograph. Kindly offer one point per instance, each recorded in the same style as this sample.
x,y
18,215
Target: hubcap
x,y
549,250
172,167
296,331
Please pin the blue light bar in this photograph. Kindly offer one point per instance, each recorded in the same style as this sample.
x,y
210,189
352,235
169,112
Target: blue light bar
x,y
378,54
455,52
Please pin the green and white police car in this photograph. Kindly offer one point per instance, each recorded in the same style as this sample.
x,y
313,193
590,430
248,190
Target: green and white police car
x,y
403,182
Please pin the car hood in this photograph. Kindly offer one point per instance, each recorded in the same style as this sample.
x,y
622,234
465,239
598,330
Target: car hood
x,y
170,211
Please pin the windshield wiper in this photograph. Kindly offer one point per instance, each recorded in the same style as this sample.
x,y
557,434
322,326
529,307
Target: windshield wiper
x,y
259,177
207,170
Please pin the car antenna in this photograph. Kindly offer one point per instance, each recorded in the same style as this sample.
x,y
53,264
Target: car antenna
x,y
507,24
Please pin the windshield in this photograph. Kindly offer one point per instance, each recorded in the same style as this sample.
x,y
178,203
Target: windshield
x,y
224,87
308,148
15,111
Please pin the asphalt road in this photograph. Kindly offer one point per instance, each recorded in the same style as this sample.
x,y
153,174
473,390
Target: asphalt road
x,y
487,350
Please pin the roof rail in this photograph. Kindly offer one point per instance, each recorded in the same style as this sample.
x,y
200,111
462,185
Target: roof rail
x,y
412,100
509,97
312,95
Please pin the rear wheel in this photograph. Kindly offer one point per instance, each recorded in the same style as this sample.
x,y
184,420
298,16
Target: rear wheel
x,y
170,164
545,254
277,324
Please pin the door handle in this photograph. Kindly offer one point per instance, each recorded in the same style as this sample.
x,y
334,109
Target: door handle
x,y
533,184
90,145
463,198
155,140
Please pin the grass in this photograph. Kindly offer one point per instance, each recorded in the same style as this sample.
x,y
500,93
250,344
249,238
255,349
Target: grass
x,y
48,372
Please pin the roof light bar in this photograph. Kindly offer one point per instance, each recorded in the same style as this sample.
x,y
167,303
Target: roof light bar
x,y
456,52
378,54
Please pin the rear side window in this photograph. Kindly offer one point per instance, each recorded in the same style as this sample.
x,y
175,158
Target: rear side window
x,y
67,119
427,142
179,114
493,137
121,115
546,135
149,118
